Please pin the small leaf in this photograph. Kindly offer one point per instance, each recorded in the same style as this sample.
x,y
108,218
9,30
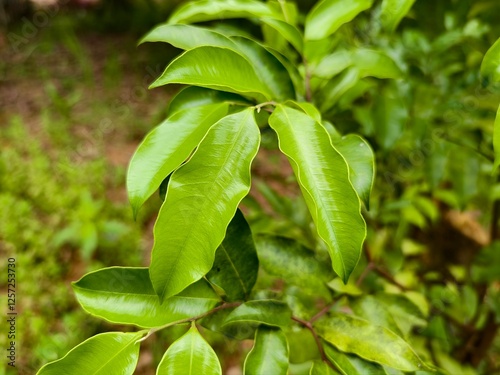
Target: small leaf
x,y
208,10
103,354
328,15
361,161
349,364
192,96
202,198
323,177
490,67
166,147
393,12
126,295
269,354
268,312
371,342
236,264
496,140
287,31
190,355
216,68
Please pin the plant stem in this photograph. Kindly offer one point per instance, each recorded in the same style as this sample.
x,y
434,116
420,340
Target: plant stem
x,y
261,105
307,81
379,270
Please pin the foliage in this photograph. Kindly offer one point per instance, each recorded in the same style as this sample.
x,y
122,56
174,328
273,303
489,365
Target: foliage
x,y
410,305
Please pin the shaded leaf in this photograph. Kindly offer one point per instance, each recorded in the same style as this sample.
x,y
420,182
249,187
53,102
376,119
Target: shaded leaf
x,y
192,96
333,90
287,31
389,117
268,312
321,368
496,139
393,12
269,354
490,67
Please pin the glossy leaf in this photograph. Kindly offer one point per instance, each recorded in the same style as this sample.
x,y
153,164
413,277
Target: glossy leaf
x,y
216,68
287,31
236,264
166,147
328,15
268,312
190,355
371,342
193,96
361,161
126,295
201,200
490,67
393,12
496,139
103,354
323,176
349,364
208,10
269,354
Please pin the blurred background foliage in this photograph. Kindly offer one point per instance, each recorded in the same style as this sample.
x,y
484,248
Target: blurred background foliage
x,y
74,105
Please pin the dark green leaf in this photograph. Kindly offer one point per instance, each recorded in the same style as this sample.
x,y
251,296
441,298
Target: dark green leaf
x,y
269,354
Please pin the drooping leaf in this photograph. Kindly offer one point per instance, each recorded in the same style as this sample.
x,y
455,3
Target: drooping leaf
x,y
208,10
393,12
236,264
323,177
490,67
126,295
103,354
328,15
268,312
288,259
216,68
166,147
361,161
496,140
190,355
287,31
269,354
201,200
368,341
193,96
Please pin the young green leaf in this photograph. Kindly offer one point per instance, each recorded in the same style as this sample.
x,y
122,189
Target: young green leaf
x,y
328,15
268,312
269,354
349,364
201,200
216,68
323,176
236,264
393,12
192,96
103,354
166,147
490,67
126,295
371,342
190,355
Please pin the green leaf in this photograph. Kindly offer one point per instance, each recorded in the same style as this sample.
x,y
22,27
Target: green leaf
x,y
103,354
328,15
323,176
287,31
490,67
126,295
496,140
201,200
334,89
269,354
187,37
393,12
361,161
389,117
192,96
294,263
369,308
190,355
236,264
208,10
166,147
268,312
333,64
321,368
371,342
349,364
216,68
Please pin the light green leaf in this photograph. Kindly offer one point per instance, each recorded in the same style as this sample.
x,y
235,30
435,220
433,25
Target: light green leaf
x,y
349,364
490,67
288,259
370,308
201,200
103,354
126,295
236,264
216,68
287,31
322,174
393,12
308,108
166,147
331,93
269,354
496,140
321,368
376,64
192,96
190,355
361,161
208,10
333,64
371,342
328,15
268,312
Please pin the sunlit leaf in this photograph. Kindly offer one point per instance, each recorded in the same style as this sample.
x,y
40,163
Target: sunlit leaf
x,y
287,31
193,96
393,12
269,354
490,67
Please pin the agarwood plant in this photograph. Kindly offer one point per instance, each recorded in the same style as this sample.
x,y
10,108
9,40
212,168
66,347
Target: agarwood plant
x,y
205,261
